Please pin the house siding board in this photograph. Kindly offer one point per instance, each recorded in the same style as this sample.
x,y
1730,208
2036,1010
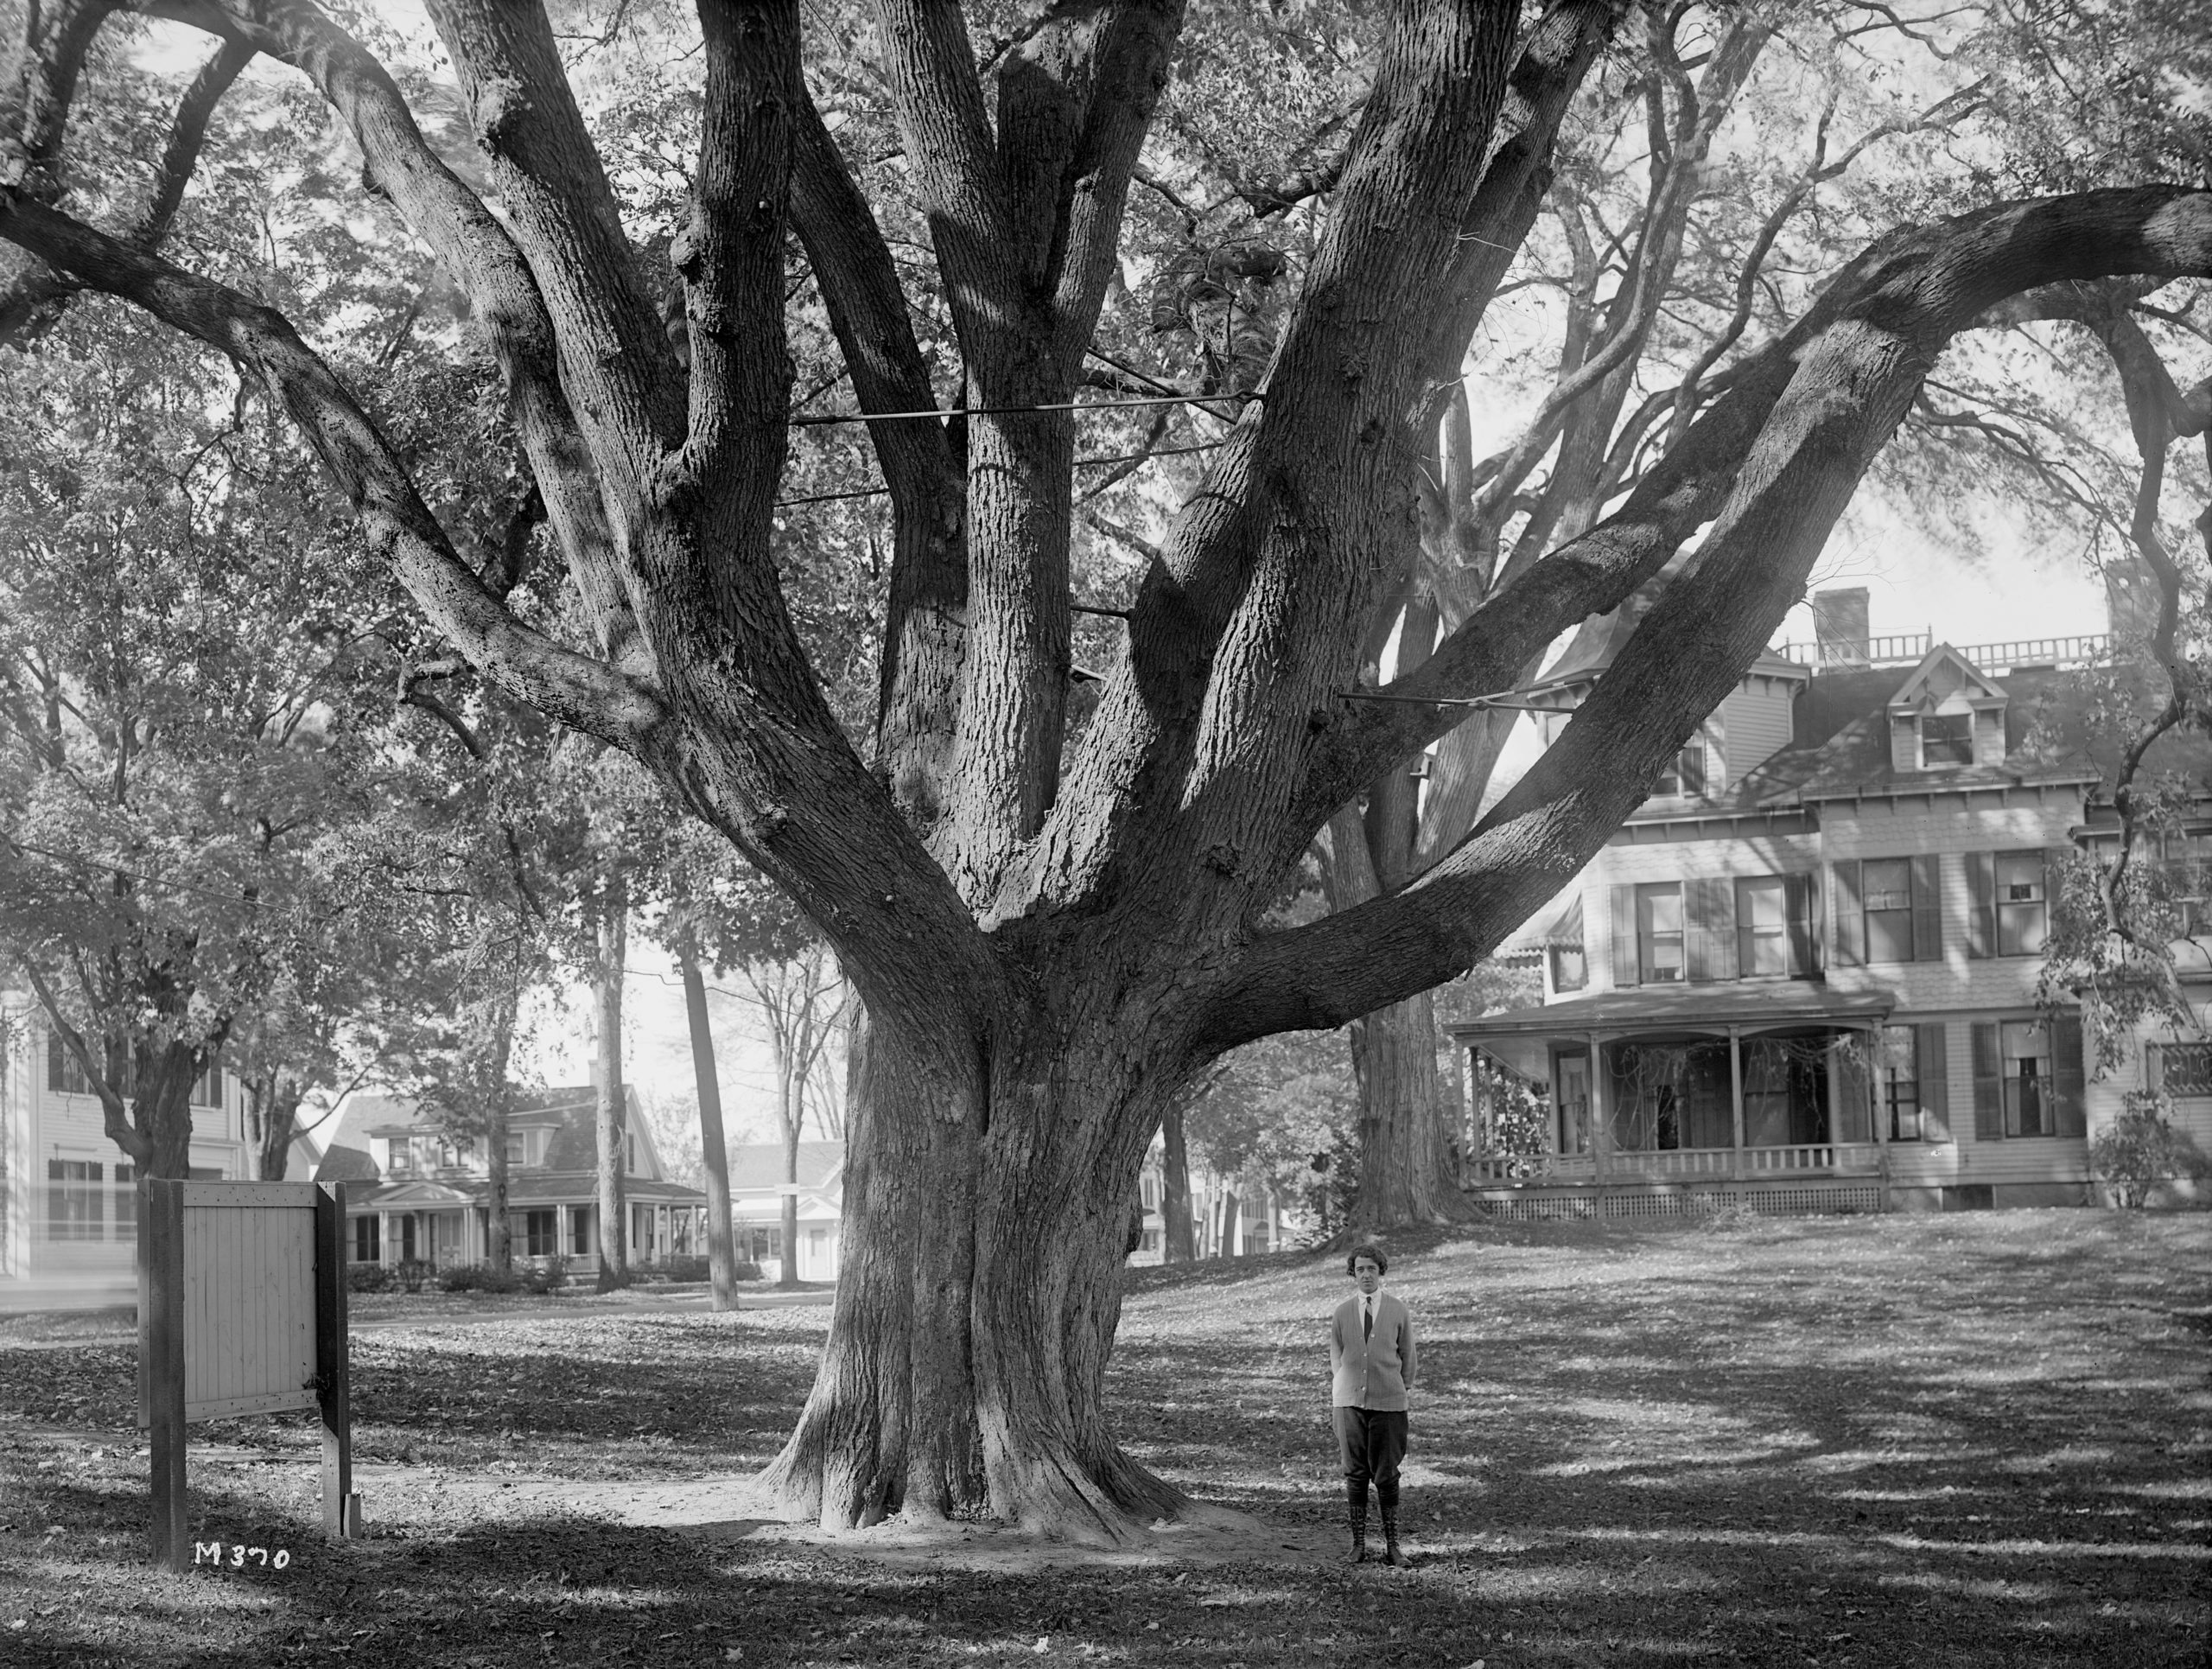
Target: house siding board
x,y
1629,866
44,1124
1755,725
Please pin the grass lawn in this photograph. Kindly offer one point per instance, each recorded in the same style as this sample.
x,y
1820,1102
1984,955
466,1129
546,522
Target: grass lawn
x,y
1966,1440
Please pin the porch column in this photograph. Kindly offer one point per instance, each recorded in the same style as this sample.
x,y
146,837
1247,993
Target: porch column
x,y
1463,1108
1601,1114
385,1250
1875,1111
1735,1097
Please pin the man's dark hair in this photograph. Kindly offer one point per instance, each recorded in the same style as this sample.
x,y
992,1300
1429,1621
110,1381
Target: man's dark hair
x,y
1368,1249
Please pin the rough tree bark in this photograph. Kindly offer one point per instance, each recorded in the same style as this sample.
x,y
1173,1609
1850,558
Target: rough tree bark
x,y
1178,1242
610,1118
1048,952
272,1118
497,1097
713,1155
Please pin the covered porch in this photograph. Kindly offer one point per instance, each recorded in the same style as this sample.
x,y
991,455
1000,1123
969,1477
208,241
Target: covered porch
x,y
1647,1101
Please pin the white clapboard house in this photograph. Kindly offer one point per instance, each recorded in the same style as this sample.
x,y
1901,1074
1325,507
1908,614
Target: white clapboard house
x,y
416,1194
1804,975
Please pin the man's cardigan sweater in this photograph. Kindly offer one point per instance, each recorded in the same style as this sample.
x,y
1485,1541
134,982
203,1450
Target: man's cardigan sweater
x,y
1371,1372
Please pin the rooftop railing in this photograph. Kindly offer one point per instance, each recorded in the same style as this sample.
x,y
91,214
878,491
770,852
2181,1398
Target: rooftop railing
x,y
2087,649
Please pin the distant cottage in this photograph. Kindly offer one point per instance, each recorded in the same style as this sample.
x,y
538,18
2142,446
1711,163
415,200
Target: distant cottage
x,y
413,1193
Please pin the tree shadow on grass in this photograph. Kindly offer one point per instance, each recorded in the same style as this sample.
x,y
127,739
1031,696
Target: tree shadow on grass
x,y
1800,1445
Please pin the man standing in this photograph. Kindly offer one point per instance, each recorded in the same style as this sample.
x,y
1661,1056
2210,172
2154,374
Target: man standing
x,y
1371,1370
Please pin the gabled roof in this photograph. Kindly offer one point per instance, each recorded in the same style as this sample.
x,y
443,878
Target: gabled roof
x,y
1840,744
756,1165
569,1109
1944,678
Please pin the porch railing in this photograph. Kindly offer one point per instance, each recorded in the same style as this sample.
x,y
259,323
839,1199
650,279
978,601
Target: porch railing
x,y
1495,1170
1558,1169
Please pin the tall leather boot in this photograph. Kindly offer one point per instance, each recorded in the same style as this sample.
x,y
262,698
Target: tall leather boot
x,y
1387,1496
1355,1511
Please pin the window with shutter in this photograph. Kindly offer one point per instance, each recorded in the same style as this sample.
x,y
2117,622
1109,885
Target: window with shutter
x,y
1927,908
2026,1063
1981,903
1850,923
1897,1082
2069,1109
1933,1060
1763,928
1660,954
1797,892
2023,917
1988,1084
1887,886
1624,929
1711,907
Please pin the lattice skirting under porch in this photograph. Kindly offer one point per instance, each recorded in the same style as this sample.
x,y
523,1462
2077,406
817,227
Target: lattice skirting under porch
x,y
1804,1200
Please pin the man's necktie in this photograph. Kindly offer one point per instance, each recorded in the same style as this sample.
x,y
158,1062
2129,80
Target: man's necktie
x,y
1367,1321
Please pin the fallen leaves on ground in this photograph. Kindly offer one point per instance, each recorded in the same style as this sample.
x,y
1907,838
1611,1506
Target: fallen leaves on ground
x,y
1979,1440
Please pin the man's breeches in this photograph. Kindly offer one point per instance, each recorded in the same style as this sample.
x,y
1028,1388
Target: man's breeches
x,y
1371,1441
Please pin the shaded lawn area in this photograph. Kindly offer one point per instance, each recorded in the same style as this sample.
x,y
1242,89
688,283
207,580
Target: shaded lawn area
x,y
1982,1439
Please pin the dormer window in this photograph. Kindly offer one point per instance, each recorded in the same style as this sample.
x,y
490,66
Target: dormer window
x,y
1945,739
1685,774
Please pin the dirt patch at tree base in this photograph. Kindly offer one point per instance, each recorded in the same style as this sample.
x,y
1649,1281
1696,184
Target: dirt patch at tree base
x,y
730,1508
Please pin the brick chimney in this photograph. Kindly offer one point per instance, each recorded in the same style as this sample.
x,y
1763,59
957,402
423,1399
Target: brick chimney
x,y
1839,625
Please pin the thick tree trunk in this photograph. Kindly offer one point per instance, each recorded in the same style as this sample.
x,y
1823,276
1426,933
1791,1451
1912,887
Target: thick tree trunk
x,y
1177,1241
1406,1172
614,1113
787,1276
272,1117
979,1294
713,1155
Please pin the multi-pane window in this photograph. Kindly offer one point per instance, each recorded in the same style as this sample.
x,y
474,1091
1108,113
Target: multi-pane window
x,y
2022,917
1886,885
1945,739
207,1088
1685,773
2028,1077
541,1233
580,1238
2181,1069
2023,1059
2188,868
75,1199
1659,931
1897,1082
126,1201
1761,927
517,1148
63,1072
368,1243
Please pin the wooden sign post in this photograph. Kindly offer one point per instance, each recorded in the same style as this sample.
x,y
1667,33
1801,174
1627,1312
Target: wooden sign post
x,y
242,1310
